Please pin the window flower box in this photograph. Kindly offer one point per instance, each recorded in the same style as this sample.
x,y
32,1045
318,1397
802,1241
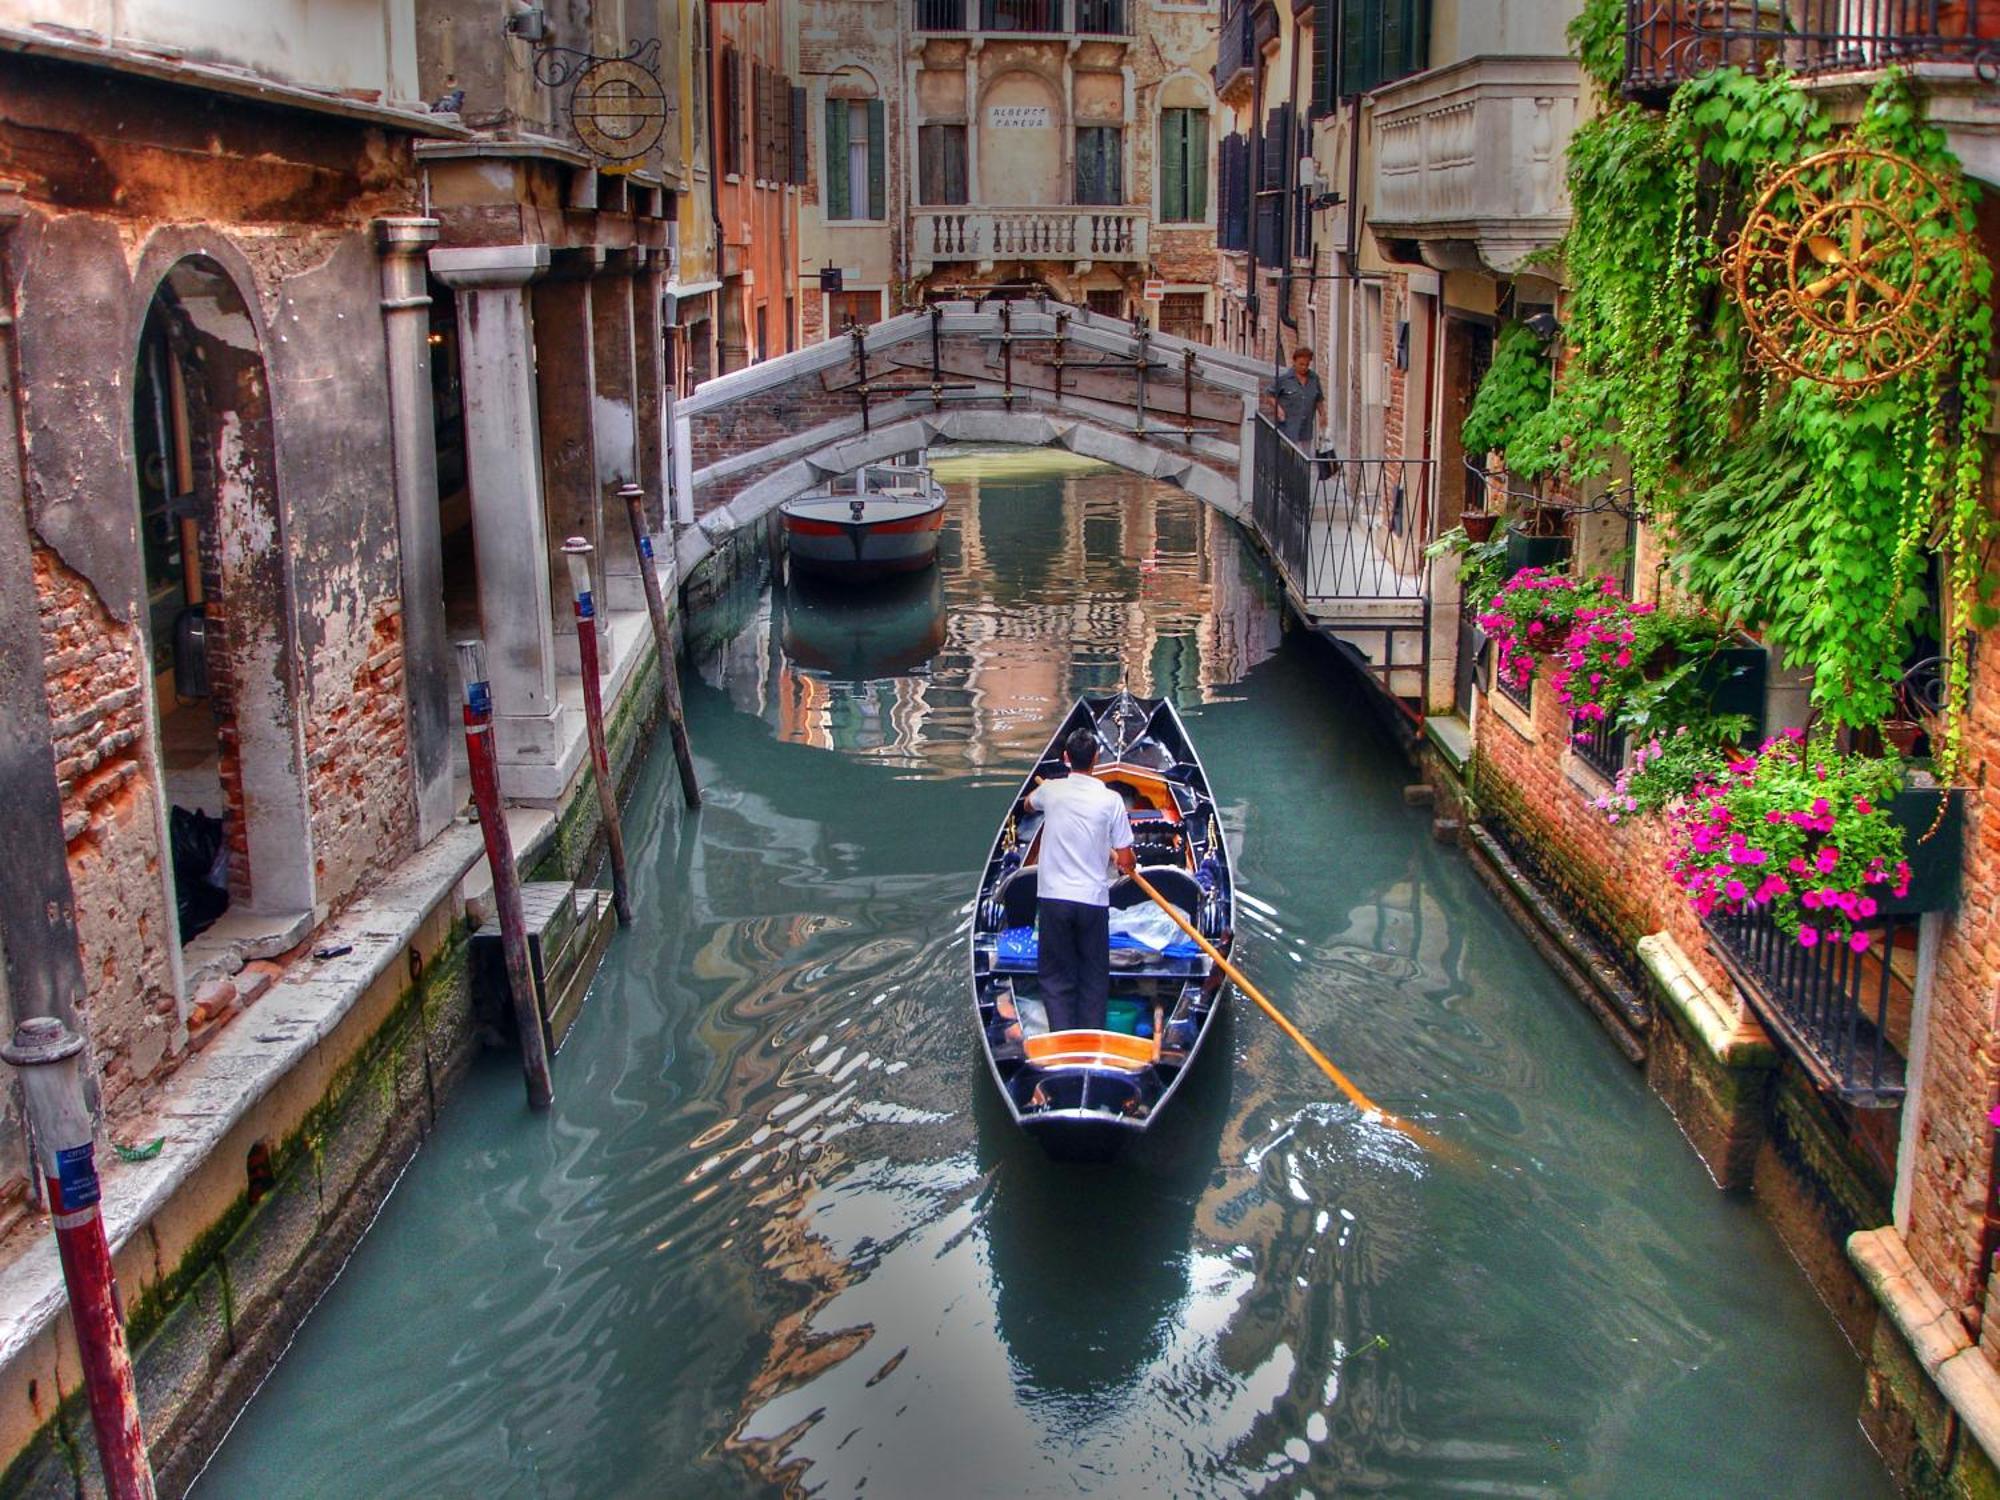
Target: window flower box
x,y
1936,862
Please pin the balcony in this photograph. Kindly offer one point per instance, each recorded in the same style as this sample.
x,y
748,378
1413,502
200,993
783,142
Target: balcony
x,y
1668,42
942,236
1239,43
1469,161
1063,18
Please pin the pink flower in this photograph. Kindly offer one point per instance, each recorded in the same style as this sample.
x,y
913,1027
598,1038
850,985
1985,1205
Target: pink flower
x,y
1865,908
1858,941
1736,891
1808,937
1828,859
1863,806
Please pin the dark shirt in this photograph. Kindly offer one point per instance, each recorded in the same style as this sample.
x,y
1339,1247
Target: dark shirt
x,y
1297,401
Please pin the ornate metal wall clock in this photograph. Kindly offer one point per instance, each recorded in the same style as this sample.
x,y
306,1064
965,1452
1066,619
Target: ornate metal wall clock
x,y
618,106
1848,268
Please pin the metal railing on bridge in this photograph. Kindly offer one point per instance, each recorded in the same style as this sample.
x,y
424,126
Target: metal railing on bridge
x,y
1345,529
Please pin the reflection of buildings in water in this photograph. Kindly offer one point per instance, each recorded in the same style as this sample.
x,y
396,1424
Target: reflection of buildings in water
x,y
1042,594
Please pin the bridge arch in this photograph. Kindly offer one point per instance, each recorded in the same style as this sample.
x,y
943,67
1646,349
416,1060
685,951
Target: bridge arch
x,y
1028,374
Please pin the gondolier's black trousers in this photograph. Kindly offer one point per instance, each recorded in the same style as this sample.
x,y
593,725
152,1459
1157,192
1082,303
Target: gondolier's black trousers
x,y
1073,963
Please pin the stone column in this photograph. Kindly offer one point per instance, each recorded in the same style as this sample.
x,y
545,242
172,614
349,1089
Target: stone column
x,y
427,672
503,452
619,455
41,967
565,382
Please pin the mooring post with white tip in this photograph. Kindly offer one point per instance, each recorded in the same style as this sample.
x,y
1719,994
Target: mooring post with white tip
x,y
49,1056
663,636
576,551
480,758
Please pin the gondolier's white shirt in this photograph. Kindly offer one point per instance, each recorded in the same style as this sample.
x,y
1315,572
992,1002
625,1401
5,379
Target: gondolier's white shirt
x,y
1083,821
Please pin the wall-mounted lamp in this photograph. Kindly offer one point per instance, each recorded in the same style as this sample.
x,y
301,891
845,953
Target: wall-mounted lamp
x,y
528,22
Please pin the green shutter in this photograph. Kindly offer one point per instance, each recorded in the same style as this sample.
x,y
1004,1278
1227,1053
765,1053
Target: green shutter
x,y
1357,36
839,203
1197,166
878,198
1173,165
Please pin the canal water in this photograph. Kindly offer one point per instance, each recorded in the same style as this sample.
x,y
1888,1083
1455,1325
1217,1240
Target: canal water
x,y
776,1235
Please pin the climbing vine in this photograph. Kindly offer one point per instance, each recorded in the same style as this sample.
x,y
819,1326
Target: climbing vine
x,y
1512,395
1792,508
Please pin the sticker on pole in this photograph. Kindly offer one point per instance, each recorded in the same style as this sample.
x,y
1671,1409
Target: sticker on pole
x,y
76,1177
478,699
645,546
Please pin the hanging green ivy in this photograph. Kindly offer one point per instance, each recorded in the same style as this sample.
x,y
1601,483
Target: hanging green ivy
x,y
1792,509
1513,392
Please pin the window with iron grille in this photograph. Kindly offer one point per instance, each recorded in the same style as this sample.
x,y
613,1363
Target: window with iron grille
x,y
941,164
1183,166
1382,40
1101,17
1100,164
855,137
941,15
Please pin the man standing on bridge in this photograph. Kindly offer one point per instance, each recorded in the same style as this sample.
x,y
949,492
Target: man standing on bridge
x,y
1084,830
1297,395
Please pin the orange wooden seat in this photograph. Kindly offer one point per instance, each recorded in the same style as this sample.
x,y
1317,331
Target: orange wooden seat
x,y
1090,1049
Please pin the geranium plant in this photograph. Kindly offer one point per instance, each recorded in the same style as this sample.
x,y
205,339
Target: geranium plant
x,y
1534,613
1634,665
1666,767
1798,830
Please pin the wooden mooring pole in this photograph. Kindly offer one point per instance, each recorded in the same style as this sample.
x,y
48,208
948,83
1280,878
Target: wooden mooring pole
x,y
49,1056
576,551
481,760
663,635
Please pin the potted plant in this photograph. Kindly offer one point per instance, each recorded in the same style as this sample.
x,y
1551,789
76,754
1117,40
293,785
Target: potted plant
x,y
1533,614
1478,524
1481,565
1798,830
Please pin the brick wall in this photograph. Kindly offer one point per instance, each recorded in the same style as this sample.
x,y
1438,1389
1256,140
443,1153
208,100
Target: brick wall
x,y
358,781
111,821
1614,872
1952,1171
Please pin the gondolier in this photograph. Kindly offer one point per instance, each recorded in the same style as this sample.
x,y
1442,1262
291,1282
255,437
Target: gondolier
x,y
1084,831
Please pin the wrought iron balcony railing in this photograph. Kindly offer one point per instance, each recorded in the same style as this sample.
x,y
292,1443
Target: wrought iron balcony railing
x,y
1668,42
1235,46
1845,1016
1041,17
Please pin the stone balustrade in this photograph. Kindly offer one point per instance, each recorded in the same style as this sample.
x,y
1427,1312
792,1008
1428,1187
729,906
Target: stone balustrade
x,y
942,236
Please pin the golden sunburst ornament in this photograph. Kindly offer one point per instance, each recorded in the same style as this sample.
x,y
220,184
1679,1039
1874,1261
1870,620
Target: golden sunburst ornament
x,y
1848,267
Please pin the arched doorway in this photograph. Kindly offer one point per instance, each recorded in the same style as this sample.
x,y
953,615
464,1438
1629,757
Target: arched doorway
x,y
216,612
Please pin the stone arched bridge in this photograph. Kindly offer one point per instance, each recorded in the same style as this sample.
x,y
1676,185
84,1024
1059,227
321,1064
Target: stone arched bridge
x,y
1037,373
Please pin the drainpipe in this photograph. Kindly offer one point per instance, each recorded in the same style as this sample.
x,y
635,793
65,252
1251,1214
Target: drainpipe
x,y
1289,203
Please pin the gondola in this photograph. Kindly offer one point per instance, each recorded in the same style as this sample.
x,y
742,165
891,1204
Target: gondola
x,y
1083,1094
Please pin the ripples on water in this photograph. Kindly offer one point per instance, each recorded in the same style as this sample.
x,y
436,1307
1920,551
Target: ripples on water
x,y
778,1234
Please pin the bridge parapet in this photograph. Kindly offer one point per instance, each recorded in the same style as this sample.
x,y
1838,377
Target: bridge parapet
x,y
1036,373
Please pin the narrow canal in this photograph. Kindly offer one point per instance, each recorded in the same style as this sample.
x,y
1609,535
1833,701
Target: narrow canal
x,y
775,1233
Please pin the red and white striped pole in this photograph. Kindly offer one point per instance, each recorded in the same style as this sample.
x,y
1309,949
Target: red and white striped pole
x,y
480,758
49,1057
577,551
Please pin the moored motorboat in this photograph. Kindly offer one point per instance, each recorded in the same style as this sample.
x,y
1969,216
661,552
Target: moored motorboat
x,y
1083,1093
881,520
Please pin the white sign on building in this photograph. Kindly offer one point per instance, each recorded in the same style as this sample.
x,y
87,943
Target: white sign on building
x,y
1017,117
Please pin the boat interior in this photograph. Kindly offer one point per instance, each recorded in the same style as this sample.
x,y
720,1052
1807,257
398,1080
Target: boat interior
x,y
1163,987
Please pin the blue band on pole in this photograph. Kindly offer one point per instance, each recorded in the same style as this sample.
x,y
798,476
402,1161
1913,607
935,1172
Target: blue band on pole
x,y
585,608
479,697
645,546
76,1175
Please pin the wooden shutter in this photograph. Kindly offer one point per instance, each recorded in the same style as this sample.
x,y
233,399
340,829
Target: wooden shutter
x,y
1358,34
795,111
1197,165
878,195
1173,165
1325,26
839,201
1099,163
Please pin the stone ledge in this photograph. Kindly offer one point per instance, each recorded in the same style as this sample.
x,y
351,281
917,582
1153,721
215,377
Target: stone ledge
x,y
1732,1038
1962,1373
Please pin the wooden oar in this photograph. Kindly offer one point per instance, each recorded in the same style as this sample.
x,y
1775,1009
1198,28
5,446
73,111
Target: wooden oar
x,y
1341,1081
